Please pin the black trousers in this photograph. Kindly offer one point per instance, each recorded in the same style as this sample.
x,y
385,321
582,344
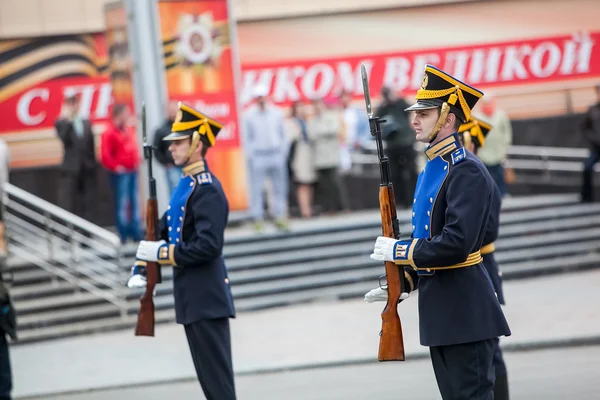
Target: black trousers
x,y
77,192
587,189
464,371
5,369
210,345
501,384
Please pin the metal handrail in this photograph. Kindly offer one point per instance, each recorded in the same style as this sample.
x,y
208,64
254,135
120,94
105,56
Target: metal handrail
x,y
549,151
77,221
529,157
66,246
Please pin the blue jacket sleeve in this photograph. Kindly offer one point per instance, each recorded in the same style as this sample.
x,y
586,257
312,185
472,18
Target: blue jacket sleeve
x,y
209,212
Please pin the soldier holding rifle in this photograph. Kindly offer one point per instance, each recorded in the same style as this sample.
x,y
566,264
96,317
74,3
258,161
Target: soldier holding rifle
x,y
191,240
459,313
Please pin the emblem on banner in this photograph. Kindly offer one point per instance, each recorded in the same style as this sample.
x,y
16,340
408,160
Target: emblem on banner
x,y
198,39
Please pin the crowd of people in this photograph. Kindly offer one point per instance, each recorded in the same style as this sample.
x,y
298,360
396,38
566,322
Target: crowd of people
x,y
306,155
298,159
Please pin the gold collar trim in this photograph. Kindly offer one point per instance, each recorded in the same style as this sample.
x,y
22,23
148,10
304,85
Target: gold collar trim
x,y
444,147
194,168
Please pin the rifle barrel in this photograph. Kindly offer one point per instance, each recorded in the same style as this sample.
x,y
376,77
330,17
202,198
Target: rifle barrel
x,y
391,342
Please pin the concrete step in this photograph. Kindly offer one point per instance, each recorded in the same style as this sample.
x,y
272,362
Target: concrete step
x,y
370,231
66,316
73,299
547,213
585,259
344,290
560,239
339,285
284,266
541,253
90,327
511,224
353,233
29,277
320,260
41,290
553,225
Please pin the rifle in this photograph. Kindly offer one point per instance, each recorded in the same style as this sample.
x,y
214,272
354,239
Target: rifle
x,y
145,322
391,342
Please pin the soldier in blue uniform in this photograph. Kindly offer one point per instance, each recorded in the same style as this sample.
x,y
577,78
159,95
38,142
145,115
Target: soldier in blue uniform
x,y
473,135
459,313
192,236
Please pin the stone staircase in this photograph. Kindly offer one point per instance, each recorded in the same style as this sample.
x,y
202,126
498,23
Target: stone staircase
x,y
319,260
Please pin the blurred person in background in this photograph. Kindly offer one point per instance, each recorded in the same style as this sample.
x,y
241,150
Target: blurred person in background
x,y
472,135
325,128
161,148
78,169
356,128
591,131
302,161
400,140
266,148
8,323
494,153
121,157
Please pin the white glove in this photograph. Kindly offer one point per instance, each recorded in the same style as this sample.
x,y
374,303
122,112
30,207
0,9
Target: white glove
x,y
136,281
380,294
148,251
384,249
138,275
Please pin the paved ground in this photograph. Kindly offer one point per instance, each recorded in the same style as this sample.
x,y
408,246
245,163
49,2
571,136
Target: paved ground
x,y
550,374
551,310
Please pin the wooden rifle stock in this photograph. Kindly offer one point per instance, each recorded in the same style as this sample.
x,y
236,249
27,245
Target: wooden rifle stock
x,y
145,322
391,341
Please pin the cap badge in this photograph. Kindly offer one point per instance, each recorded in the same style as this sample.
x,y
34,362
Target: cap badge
x,y
425,81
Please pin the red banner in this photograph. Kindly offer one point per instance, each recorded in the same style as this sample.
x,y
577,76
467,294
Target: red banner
x,y
198,60
199,53
38,107
28,104
508,63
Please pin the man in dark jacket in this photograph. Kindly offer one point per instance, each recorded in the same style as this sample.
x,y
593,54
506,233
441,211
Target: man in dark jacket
x,y
78,170
192,235
472,137
459,314
591,130
399,139
161,148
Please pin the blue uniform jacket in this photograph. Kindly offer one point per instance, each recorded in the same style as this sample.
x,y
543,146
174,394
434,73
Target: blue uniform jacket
x,y
194,227
491,234
451,208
